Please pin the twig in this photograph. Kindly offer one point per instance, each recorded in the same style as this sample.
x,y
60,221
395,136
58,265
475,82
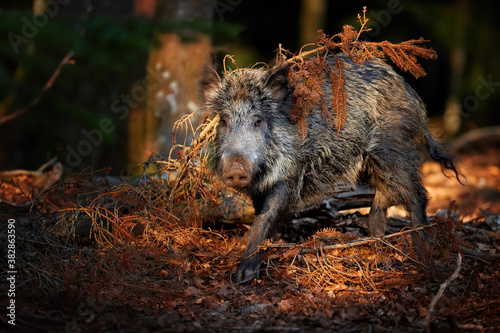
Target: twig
x,y
367,278
363,241
403,254
46,87
442,288
306,53
363,23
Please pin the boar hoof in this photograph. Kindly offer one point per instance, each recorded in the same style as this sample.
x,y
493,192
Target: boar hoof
x,y
248,269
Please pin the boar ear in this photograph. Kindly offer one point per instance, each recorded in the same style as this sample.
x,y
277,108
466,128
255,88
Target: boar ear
x,y
210,78
277,82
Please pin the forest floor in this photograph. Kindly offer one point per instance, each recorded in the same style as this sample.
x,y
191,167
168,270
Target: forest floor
x,y
173,277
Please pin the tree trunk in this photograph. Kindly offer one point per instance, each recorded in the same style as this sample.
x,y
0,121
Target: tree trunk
x,y
452,118
173,71
312,18
145,8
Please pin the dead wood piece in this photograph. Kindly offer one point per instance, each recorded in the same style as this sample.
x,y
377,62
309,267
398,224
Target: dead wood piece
x,y
478,139
229,209
439,294
478,255
16,205
344,198
487,232
46,176
40,170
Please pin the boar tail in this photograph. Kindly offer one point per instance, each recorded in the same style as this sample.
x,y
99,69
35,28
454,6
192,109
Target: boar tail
x,y
446,162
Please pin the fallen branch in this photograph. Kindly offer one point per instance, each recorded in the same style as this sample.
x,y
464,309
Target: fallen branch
x,y
362,241
46,175
476,138
16,173
442,288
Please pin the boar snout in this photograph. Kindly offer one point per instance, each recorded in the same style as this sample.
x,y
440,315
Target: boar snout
x,y
236,172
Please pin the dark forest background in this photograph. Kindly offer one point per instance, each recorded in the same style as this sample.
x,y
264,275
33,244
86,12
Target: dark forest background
x,y
134,67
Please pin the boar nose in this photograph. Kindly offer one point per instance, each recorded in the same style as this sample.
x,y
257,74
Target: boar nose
x,y
235,175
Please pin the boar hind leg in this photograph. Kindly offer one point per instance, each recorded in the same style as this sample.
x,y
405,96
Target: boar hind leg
x,y
397,181
417,210
377,219
417,205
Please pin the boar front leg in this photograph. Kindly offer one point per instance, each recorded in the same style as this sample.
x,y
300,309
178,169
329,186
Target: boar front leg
x,y
270,208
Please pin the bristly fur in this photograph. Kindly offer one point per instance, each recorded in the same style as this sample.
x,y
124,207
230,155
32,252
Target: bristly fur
x,y
384,130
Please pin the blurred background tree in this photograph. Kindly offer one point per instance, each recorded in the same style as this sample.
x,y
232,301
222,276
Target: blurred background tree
x,y
174,66
136,64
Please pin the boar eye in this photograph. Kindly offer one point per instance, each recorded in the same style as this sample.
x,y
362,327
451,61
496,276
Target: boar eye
x,y
257,123
223,122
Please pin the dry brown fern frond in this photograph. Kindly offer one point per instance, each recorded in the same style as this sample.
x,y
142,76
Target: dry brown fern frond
x,y
306,81
309,69
339,96
405,54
